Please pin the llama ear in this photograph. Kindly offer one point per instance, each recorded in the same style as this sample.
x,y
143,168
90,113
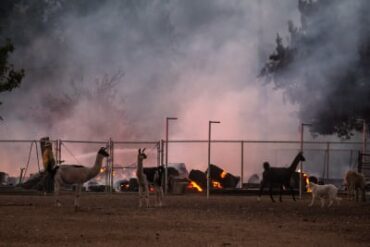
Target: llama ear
x,y
139,150
143,150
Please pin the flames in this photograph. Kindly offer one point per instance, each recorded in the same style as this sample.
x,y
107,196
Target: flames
x,y
307,180
194,185
215,184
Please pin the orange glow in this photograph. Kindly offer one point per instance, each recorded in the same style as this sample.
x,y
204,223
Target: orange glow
x,y
102,170
223,174
193,184
216,185
307,182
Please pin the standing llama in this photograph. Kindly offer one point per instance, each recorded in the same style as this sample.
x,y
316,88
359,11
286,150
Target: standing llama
x,y
76,174
148,176
354,182
280,176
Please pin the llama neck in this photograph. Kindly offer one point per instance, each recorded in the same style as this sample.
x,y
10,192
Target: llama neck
x,y
139,171
97,166
295,163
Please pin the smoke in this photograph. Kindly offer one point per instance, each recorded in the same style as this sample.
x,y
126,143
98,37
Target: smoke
x,y
324,66
101,69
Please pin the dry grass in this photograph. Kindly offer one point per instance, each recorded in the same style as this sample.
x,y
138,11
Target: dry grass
x,y
190,220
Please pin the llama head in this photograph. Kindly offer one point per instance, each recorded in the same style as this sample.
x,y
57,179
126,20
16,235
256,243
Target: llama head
x,y
141,154
103,151
301,157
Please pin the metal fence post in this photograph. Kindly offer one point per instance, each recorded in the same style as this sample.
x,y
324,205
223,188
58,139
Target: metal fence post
x,y
242,165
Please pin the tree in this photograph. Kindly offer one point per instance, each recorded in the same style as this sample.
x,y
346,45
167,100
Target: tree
x,y
9,77
325,65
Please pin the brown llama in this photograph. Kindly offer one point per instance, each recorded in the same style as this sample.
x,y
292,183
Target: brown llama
x,y
354,182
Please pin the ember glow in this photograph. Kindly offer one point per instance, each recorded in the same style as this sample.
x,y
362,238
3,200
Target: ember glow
x,y
216,185
194,185
305,176
223,174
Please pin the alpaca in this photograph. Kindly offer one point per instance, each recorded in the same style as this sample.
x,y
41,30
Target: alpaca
x,y
326,191
149,176
76,174
280,176
142,180
354,182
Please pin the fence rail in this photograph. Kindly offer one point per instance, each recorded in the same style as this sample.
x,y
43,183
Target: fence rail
x,y
246,156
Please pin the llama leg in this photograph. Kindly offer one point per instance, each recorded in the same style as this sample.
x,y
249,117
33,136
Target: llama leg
x,y
281,192
261,189
77,197
356,194
157,200
292,192
147,195
161,195
56,193
272,198
363,194
140,196
158,195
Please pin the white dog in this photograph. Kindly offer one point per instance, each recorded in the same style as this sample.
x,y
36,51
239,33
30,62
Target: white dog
x,y
327,191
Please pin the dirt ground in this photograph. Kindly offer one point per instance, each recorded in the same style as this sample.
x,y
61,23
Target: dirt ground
x,y
187,220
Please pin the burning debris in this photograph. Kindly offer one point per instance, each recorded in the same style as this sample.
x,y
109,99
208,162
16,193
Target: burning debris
x,y
220,179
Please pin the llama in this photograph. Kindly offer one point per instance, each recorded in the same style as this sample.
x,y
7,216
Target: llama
x,y
148,176
142,180
154,176
280,176
354,182
76,174
326,191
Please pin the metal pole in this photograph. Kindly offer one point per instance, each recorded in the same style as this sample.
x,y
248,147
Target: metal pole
x,y
159,153
301,163
112,163
166,166
242,165
327,159
364,140
166,161
162,153
209,157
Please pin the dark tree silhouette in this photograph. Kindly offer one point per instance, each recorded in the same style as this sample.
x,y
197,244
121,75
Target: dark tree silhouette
x,y
9,77
325,65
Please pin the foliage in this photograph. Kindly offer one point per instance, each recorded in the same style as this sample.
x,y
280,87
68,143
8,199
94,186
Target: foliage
x,y
325,66
9,77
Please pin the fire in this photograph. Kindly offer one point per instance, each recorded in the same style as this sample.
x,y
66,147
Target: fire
x,y
193,184
216,185
307,182
102,170
223,174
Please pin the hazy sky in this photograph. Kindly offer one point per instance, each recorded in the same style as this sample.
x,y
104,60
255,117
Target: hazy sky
x,y
196,60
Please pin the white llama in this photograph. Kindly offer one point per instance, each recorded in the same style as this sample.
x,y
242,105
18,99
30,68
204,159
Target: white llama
x,y
76,174
142,180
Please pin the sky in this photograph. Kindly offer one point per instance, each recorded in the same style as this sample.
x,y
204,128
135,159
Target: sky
x,y
120,69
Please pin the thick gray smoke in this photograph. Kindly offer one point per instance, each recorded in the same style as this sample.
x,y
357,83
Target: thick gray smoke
x,y
324,66
100,69
196,60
